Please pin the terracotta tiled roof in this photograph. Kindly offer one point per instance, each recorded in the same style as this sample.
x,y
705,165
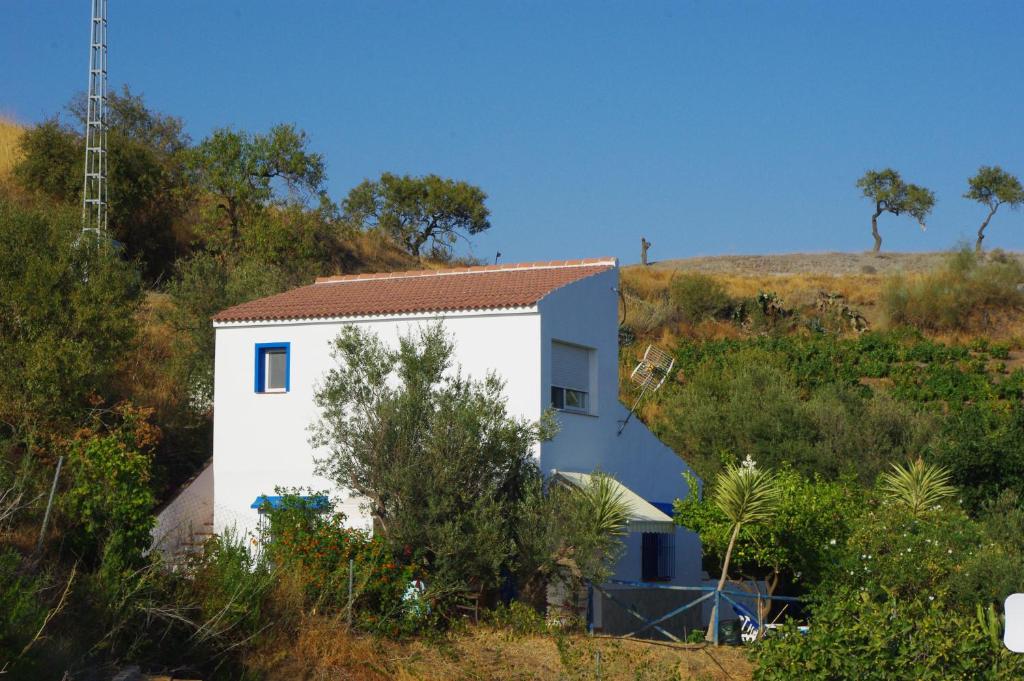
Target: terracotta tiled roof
x,y
466,288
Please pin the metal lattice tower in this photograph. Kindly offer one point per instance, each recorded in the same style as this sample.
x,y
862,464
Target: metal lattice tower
x,y
94,193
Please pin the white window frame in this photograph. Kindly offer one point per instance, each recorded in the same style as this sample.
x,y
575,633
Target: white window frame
x,y
267,354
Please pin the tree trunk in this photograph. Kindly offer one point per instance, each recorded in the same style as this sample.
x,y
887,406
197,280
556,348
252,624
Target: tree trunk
x,y
981,230
710,635
874,230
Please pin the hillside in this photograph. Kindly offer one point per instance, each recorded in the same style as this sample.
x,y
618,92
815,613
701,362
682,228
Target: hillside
x,y
821,264
10,133
803,282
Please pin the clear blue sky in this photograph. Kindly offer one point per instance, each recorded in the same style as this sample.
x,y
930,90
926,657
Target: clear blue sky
x,y
708,127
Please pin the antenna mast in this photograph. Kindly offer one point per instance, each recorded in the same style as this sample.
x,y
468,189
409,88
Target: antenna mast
x,y
94,193
649,375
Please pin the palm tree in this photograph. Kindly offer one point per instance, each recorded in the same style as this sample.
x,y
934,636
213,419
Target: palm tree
x,y
918,486
746,495
606,507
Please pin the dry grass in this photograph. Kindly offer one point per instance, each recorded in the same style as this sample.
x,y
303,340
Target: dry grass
x,y
803,288
324,650
798,280
10,134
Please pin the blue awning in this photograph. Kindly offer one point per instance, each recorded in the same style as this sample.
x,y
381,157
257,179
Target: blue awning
x,y
665,507
317,502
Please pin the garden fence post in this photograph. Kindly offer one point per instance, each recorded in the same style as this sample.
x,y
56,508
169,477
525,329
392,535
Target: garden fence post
x,y
351,564
718,609
49,504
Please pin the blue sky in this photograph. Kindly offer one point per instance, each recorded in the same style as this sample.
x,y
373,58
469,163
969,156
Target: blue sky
x,y
708,127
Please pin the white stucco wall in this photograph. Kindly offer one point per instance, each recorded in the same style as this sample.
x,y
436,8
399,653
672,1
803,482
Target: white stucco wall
x,y
187,515
261,440
585,313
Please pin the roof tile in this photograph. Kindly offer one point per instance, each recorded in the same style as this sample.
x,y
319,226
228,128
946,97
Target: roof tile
x,y
464,288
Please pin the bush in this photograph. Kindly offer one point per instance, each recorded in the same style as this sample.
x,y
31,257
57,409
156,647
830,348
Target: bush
x,y
698,297
22,611
864,640
952,297
67,317
982,445
772,406
901,601
110,499
313,546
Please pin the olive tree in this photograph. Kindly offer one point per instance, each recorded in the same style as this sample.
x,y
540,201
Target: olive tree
x,y
415,211
442,465
992,186
242,174
891,194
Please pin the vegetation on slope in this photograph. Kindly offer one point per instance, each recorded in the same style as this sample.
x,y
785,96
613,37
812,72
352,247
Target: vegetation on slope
x,y
829,381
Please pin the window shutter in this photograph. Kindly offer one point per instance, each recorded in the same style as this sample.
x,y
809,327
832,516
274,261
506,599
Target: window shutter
x,y
570,366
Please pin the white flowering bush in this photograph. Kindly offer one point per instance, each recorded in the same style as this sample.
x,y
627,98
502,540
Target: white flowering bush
x,y
899,601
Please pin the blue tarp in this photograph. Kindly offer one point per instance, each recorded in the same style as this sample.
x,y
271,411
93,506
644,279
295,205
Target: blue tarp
x,y
316,502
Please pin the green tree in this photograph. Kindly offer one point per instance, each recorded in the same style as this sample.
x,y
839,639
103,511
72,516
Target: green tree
x,y
203,285
746,495
52,161
891,194
992,186
442,465
813,514
242,174
67,317
566,535
415,211
149,191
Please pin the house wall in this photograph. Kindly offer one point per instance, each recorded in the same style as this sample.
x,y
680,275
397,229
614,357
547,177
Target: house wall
x,y
186,515
586,313
261,441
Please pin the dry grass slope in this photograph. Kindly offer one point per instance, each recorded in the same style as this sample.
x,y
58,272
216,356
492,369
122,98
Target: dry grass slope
x,y
324,650
10,133
798,279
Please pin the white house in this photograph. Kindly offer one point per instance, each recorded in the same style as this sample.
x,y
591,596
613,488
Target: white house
x,y
549,329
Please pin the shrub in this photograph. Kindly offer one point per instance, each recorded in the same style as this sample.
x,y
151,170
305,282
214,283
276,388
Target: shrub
x,y
865,640
646,316
22,611
67,317
951,297
110,498
982,445
793,547
698,297
771,406
313,546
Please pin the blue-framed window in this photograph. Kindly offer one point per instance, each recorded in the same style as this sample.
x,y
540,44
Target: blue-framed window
x,y
273,367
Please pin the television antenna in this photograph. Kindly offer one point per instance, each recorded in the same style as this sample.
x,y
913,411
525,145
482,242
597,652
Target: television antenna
x,y
94,191
649,375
